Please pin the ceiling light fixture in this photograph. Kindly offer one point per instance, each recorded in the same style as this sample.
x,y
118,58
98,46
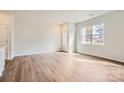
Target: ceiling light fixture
x,y
91,14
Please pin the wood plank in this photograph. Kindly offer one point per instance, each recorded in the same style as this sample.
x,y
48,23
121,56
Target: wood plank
x,y
61,67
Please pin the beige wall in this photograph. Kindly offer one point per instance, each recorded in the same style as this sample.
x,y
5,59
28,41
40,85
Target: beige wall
x,y
114,36
32,34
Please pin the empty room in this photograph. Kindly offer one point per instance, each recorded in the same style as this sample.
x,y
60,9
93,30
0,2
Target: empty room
x,y
61,46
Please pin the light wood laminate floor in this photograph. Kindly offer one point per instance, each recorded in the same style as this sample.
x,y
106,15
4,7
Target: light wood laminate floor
x,y
61,66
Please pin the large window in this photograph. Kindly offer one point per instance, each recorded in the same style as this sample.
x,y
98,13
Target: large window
x,y
98,34
65,34
86,35
93,34
65,37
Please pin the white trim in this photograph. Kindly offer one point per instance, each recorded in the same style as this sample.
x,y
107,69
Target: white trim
x,y
10,58
31,53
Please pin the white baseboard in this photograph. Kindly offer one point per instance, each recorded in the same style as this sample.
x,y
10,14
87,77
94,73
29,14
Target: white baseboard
x,y
31,53
10,58
105,57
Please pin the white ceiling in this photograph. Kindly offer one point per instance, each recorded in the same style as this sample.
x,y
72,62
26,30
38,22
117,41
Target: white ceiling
x,y
61,16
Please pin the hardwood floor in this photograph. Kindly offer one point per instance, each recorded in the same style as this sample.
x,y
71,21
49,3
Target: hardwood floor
x,y
61,67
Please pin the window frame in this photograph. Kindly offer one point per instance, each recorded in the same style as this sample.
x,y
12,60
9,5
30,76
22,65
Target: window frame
x,y
91,35
86,35
98,34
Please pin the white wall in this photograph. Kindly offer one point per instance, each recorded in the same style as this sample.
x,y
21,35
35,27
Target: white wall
x,y
114,36
33,33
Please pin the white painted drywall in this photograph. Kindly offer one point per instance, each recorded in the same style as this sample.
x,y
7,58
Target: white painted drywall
x,y
34,33
114,36
37,31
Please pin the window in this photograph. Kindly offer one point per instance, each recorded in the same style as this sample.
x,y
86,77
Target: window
x,y
86,35
98,34
93,34
65,34
65,40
